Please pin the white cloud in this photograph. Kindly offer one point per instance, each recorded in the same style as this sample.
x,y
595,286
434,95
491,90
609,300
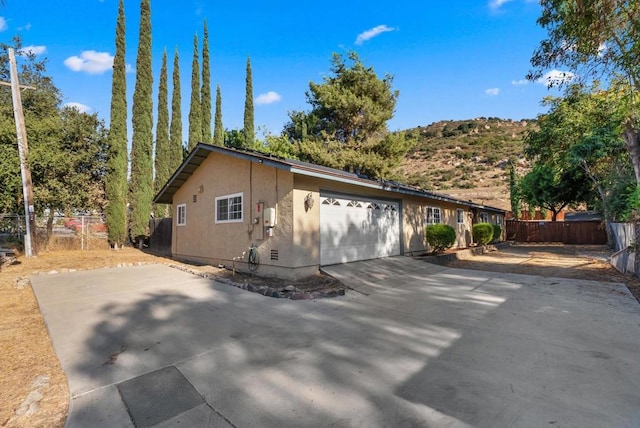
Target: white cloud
x,y
26,27
268,98
375,31
556,78
82,108
497,4
3,24
492,91
32,50
91,62
602,49
520,82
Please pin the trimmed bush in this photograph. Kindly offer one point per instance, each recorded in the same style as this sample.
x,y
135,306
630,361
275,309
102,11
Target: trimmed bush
x,y
482,233
497,232
440,237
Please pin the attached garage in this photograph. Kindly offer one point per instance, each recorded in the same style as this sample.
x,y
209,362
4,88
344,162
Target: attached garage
x,y
298,215
357,228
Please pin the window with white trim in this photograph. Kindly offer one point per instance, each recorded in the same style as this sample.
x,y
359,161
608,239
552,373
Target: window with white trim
x,y
498,219
229,208
181,215
484,218
460,216
433,215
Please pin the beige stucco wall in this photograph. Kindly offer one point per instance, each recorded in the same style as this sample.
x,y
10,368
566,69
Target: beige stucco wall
x,y
415,216
204,240
307,223
296,238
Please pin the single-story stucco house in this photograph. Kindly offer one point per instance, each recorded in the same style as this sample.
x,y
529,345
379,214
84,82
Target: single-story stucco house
x,y
300,216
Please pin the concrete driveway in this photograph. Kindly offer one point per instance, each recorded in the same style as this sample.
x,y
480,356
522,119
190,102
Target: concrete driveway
x,y
413,345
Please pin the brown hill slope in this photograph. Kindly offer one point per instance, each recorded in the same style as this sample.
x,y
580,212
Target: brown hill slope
x,y
467,158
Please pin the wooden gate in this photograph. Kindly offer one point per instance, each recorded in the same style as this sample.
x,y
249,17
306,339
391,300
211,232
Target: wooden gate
x,y
567,232
160,236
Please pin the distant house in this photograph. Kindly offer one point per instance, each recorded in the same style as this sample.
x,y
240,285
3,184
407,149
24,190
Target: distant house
x,y
300,216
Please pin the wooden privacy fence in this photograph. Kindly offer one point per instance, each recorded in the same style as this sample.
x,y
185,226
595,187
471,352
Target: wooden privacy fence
x,y
567,232
160,236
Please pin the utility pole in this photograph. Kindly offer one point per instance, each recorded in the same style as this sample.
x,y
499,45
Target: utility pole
x,y
23,150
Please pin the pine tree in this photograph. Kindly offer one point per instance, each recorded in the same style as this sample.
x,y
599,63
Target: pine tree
x,y
116,181
248,131
218,131
205,97
195,110
175,136
141,184
162,168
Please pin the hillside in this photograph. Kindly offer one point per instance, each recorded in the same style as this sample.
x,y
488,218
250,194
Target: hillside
x,y
468,158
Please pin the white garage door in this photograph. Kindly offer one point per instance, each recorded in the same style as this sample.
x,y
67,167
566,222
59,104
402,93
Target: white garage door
x,y
357,228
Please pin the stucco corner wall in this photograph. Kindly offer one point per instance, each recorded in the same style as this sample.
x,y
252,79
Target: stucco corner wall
x,y
204,241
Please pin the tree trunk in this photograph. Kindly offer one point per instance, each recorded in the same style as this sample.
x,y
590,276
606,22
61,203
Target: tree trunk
x,y
49,229
632,139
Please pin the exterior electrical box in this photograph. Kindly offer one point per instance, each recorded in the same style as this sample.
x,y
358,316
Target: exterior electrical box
x,y
269,221
269,217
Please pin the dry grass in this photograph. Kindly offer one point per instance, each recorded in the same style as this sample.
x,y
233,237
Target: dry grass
x,y
27,352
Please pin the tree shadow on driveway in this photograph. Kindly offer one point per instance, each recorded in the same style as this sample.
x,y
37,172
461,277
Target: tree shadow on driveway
x,y
387,359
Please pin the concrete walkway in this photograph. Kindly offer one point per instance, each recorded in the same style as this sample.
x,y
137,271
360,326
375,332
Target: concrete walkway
x,y
412,345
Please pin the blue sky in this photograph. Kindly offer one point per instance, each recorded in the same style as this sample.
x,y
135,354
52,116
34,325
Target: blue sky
x,y
450,59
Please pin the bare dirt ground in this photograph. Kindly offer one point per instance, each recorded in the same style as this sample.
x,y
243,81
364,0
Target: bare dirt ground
x,y
33,388
552,260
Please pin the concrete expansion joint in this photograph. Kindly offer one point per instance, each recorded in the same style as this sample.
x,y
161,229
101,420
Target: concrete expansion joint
x,y
220,414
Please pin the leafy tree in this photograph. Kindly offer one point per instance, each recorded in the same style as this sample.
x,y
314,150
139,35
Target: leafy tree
x,y
175,130
346,127
553,189
117,162
40,107
67,148
248,130
583,129
234,139
163,149
595,38
440,237
278,145
195,110
353,104
205,97
141,184
218,130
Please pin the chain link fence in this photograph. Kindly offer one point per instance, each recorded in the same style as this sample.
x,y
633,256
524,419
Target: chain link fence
x,y
83,232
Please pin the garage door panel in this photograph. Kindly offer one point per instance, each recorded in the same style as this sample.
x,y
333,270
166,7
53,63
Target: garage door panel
x,y
357,229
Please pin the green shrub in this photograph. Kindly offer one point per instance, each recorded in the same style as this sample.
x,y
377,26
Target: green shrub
x,y
482,233
497,232
440,237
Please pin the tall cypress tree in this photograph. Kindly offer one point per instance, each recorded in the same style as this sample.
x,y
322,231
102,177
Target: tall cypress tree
x,y
218,130
141,184
195,110
175,132
205,97
116,182
248,131
162,167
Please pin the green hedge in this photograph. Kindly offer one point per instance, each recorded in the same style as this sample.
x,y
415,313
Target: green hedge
x,y
482,233
440,237
497,232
